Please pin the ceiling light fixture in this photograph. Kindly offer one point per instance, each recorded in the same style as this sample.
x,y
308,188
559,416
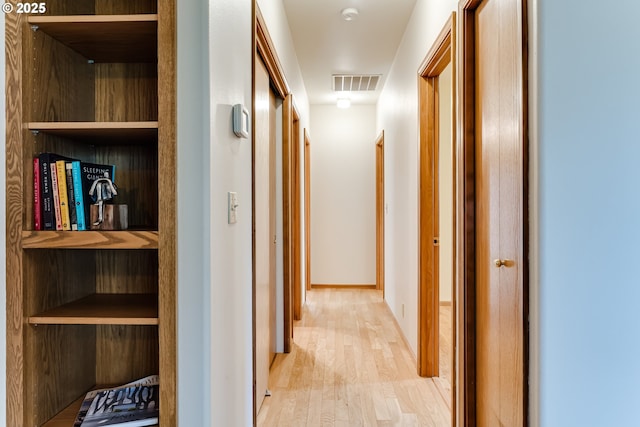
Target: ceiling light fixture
x,y
343,103
349,14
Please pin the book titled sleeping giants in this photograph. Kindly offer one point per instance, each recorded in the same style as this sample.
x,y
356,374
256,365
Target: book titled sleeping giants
x,y
78,178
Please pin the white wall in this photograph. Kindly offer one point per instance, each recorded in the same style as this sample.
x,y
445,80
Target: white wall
x,y
343,233
194,231
230,260
589,213
397,114
445,177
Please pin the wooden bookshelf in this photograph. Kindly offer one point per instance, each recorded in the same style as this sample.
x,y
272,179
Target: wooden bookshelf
x,y
91,80
103,309
104,38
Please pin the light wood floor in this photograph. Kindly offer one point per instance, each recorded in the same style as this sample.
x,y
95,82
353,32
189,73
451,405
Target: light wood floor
x,y
350,367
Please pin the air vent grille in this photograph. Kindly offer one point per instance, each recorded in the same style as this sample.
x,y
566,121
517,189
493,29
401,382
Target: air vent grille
x,y
355,82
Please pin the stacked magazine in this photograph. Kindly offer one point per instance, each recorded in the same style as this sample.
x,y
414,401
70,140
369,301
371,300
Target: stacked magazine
x,y
130,405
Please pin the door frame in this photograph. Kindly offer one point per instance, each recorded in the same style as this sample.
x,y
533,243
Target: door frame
x,y
296,216
441,54
380,213
307,208
466,228
264,46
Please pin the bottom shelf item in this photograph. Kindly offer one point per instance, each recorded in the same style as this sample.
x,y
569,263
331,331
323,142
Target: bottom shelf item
x,y
130,405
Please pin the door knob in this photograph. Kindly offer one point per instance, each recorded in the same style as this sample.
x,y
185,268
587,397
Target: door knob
x,y
503,263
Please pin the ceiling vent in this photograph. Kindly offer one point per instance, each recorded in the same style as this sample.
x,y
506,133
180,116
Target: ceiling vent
x,y
355,82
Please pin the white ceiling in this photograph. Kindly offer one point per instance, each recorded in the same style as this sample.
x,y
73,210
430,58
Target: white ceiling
x,y
326,44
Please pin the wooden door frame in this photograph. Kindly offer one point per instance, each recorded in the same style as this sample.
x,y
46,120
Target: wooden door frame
x,y
291,250
296,217
265,47
441,54
465,227
380,210
307,208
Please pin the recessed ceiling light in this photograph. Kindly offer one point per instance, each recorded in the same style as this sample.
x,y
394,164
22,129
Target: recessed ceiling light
x,y
349,14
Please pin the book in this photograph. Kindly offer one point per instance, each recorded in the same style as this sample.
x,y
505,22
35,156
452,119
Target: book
x,y
56,196
90,172
62,194
143,389
46,194
73,218
37,208
78,196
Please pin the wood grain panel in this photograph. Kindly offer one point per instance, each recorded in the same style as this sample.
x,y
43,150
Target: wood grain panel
x,y
99,132
126,353
167,221
71,8
51,365
466,237
380,212
307,207
264,228
127,271
103,309
104,38
499,222
267,51
296,224
123,7
428,284
55,277
59,83
137,179
61,362
287,226
14,199
126,92
90,240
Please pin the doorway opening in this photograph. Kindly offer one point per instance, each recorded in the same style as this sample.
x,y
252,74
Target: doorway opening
x,y
436,208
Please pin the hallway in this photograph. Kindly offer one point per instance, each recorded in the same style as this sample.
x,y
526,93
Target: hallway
x,y
350,367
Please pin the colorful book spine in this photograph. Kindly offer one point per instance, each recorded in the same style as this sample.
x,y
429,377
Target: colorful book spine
x,y
73,218
79,199
56,198
46,199
37,208
62,194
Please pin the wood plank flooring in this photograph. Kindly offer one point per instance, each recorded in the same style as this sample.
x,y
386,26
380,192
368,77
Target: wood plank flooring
x,y
350,367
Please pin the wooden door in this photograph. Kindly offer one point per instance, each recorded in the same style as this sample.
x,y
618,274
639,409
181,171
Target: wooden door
x,y
264,220
380,212
499,161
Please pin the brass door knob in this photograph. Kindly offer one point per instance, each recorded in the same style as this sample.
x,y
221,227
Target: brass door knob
x,y
502,263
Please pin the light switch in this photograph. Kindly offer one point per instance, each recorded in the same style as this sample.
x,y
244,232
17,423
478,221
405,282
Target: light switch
x,y
233,207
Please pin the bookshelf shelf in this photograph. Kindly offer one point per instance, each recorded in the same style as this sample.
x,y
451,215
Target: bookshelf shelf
x,y
90,240
100,132
103,309
104,38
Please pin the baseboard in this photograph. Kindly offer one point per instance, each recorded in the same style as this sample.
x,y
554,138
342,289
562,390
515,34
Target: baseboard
x,y
339,286
404,338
